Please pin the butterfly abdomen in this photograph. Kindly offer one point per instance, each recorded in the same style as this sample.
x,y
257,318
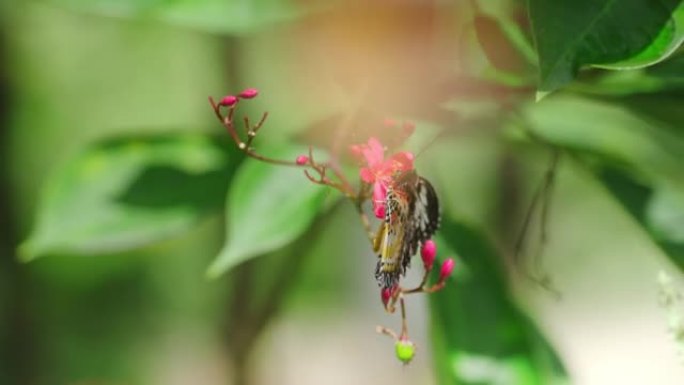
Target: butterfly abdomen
x,y
387,273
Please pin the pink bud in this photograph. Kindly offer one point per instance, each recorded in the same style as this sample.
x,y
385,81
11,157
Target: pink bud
x,y
249,93
428,253
447,268
385,295
379,211
302,160
389,122
228,101
408,128
356,151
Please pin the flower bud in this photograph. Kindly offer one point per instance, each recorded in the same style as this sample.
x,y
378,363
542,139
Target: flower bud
x,y
302,160
249,93
389,122
379,211
428,253
228,101
385,295
405,350
447,268
356,152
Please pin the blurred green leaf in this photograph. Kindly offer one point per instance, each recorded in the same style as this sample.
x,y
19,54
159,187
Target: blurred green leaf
x,y
661,216
631,82
666,214
215,16
129,192
660,109
639,161
570,34
268,207
609,132
482,337
504,44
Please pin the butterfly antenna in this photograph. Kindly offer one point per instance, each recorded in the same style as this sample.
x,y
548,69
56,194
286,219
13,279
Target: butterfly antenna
x,y
430,143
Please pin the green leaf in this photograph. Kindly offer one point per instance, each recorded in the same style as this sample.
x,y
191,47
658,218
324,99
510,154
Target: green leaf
x,y
268,207
610,133
662,110
624,83
660,211
215,16
481,335
668,40
572,33
639,161
129,192
503,44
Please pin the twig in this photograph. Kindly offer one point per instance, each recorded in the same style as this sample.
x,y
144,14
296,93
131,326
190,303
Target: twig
x,y
404,324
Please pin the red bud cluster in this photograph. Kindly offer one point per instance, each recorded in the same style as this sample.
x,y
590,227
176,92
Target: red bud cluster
x,y
232,100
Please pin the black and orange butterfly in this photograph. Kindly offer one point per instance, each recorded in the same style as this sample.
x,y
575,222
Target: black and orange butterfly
x,y
412,216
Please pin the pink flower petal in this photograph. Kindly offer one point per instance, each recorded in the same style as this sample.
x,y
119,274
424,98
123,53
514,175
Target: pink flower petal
x,y
403,161
374,152
379,196
379,192
367,175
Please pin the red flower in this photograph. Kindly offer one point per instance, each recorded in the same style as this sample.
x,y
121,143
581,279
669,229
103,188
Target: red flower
x,y
379,171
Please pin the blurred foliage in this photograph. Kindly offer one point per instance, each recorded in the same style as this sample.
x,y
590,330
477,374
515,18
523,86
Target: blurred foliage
x,y
484,337
269,207
168,184
108,98
212,16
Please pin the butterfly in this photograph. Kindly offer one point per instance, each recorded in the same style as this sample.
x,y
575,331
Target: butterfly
x,y
412,216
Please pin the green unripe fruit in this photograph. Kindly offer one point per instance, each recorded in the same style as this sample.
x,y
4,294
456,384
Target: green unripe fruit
x,y
405,350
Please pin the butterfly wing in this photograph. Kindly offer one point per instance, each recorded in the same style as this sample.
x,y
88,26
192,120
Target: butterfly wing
x,y
389,267
412,217
424,219
426,212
